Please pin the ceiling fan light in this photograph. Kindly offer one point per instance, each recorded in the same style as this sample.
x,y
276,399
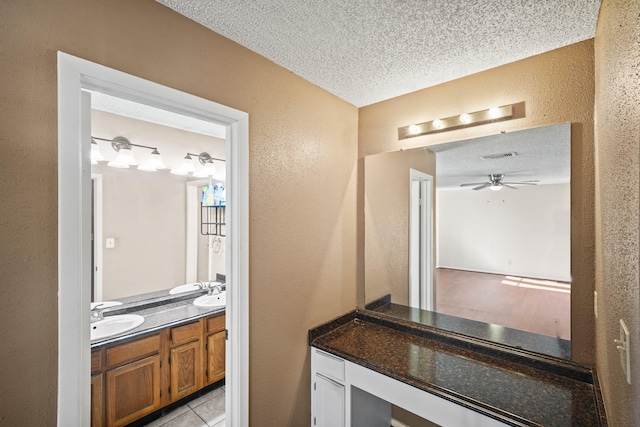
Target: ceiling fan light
x,y
496,187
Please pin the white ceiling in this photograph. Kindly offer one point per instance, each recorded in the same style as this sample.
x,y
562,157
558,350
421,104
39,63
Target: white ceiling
x,y
366,51
123,107
543,154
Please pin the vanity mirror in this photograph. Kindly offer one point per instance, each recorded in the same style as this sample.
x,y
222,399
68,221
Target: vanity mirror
x,y
485,237
147,230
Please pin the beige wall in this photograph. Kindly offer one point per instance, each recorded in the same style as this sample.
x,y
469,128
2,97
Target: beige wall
x,y
386,217
303,156
556,87
617,51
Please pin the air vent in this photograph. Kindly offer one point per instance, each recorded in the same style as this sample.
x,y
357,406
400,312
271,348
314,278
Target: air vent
x,y
499,156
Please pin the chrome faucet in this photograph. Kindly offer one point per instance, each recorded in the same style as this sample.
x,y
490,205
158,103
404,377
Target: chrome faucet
x,y
218,288
96,314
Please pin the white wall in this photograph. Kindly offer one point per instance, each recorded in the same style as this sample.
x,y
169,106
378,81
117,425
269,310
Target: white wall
x,y
524,232
145,213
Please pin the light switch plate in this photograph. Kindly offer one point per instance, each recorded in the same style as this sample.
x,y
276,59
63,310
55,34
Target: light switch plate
x,y
110,243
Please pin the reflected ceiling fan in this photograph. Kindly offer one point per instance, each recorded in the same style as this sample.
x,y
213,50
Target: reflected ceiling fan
x,y
495,183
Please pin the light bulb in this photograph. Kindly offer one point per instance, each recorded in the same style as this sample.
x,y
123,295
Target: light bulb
x,y
96,155
494,112
437,123
465,118
413,129
155,160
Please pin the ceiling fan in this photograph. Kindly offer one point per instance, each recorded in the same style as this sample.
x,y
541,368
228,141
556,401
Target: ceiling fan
x,y
495,183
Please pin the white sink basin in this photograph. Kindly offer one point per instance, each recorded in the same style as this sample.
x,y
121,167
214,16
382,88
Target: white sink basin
x,y
114,325
218,300
184,288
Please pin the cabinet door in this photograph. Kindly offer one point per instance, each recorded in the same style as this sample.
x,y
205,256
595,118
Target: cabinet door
x,y
97,408
328,402
133,390
186,369
215,357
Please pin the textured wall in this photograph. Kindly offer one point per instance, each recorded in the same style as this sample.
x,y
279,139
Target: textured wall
x,y
303,156
617,53
556,87
387,205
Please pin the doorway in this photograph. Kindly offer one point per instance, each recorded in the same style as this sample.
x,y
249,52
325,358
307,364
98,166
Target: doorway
x,y
75,76
421,292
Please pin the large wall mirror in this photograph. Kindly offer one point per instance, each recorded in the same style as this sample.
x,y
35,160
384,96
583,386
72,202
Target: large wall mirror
x,y
147,225
474,236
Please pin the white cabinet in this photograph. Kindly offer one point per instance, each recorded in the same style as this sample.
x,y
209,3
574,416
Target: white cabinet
x,y
328,402
346,394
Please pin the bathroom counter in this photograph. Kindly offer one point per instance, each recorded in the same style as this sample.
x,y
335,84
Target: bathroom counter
x,y
159,315
515,387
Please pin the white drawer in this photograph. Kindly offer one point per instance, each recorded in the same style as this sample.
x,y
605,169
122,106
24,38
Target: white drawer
x,y
329,365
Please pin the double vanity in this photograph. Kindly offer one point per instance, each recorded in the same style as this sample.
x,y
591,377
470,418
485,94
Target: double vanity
x,y
150,352
365,362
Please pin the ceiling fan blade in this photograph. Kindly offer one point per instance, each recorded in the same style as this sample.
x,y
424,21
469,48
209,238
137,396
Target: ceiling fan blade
x,y
474,183
520,183
480,187
509,186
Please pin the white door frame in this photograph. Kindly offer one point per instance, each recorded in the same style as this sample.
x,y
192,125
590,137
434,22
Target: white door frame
x,y
74,75
97,235
421,292
191,271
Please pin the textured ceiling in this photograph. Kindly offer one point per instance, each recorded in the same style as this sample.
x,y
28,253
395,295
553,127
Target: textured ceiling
x,y
366,51
543,154
122,107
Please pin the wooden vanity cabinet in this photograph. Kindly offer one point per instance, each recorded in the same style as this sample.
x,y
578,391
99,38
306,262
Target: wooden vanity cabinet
x,y
133,379
215,349
185,360
97,389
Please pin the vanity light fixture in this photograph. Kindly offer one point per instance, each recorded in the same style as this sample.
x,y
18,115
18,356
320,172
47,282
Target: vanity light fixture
x,y
186,167
125,156
207,170
493,114
96,155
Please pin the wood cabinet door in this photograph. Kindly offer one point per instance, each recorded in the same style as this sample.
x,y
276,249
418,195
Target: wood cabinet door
x,y
132,390
186,369
97,408
215,357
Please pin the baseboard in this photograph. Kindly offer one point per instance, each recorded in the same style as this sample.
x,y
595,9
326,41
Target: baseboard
x,y
502,273
396,423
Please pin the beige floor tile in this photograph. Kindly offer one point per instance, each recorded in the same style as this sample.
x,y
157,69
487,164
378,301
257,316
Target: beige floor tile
x,y
169,416
205,398
212,411
188,419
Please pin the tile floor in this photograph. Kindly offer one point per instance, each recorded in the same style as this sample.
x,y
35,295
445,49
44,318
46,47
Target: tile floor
x,y
204,411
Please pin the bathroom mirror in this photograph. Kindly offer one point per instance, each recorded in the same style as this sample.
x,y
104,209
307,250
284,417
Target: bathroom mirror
x,y
147,224
497,231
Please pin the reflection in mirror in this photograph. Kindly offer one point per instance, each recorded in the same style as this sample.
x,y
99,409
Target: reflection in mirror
x,y
147,224
500,238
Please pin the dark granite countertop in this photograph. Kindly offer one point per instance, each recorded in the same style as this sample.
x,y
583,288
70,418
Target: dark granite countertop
x,y
501,334
544,391
158,313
